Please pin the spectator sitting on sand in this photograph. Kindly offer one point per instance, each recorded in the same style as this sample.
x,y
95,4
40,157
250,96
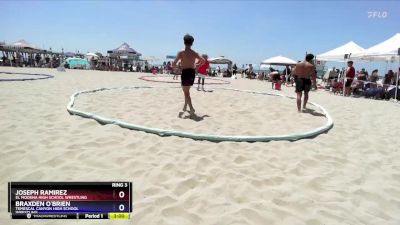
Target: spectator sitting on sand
x,y
274,76
251,73
388,79
362,75
374,76
372,79
337,86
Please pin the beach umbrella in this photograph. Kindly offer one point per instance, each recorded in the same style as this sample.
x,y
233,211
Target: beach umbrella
x,y
91,55
220,60
279,60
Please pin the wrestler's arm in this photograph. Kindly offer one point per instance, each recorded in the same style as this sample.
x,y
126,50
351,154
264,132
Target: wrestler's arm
x,y
178,57
294,71
201,60
314,76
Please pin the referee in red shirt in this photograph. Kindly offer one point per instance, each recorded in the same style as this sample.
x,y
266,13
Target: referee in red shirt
x,y
350,74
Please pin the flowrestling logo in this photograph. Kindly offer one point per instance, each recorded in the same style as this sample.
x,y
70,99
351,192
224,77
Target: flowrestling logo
x,y
377,14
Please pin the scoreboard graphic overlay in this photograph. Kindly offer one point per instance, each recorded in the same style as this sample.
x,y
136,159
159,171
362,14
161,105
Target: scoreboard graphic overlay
x,y
70,200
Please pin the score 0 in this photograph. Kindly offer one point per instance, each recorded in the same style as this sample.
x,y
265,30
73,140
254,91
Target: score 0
x,y
121,194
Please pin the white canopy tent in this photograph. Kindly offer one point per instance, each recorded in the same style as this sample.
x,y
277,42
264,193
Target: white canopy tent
x,y
337,54
221,60
385,51
278,60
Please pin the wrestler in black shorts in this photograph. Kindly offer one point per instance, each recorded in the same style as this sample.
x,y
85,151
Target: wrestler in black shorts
x,y
187,78
303,84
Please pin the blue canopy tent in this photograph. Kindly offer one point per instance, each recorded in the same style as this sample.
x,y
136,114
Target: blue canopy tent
x,y
78,63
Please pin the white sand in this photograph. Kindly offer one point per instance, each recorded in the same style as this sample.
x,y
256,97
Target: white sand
x,y
351,175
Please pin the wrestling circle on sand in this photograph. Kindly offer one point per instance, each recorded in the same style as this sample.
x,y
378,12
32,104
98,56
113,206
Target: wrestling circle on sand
x,y
209,137
168,79
39,76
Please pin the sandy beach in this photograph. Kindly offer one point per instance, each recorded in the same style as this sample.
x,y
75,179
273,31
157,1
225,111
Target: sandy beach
x,y
349,175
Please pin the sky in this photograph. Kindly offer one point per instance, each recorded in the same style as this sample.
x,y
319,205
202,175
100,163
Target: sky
x,y
243,31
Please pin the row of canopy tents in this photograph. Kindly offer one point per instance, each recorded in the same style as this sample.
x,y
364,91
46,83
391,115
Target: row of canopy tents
x,y
388,50
215,60
384,51
123,53
23,47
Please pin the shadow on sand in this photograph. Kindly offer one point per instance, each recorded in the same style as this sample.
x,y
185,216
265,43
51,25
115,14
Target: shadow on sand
x,y
312,112
194,117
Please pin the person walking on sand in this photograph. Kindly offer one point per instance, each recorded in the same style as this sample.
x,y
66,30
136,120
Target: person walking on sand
x,y
177,71
190,62
304,72
202,72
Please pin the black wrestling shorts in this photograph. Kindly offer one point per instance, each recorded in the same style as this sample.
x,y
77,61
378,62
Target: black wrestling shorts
x,y
187,78
303,84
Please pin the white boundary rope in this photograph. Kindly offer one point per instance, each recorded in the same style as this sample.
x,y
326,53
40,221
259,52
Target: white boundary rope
x,y
209,137
41,76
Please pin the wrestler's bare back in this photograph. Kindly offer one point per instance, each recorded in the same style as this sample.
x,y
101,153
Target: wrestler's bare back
x,y
188,58
304,70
